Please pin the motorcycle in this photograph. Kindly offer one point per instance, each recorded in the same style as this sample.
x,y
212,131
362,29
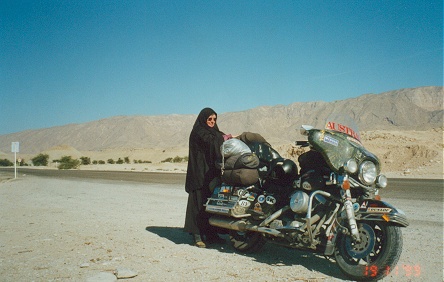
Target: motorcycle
x,y
331,206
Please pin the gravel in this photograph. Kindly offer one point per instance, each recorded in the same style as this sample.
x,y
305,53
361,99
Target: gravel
x,y
91,230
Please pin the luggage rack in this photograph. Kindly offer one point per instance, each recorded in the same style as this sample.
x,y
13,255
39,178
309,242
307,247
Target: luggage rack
x,y
223,202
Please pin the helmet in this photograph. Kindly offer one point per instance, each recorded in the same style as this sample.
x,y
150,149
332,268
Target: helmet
x,y
284,170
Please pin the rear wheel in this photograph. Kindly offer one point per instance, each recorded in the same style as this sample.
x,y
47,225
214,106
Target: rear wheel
x,y
372,258
247,242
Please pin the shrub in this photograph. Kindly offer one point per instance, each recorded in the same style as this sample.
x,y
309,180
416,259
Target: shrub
x,y
6,162
101,162
126,159
40,160
67,162
85,160
176,159
119,161
167,160
142,162
111,161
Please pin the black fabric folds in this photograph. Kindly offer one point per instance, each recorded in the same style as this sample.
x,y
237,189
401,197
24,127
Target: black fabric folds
x,y
204,152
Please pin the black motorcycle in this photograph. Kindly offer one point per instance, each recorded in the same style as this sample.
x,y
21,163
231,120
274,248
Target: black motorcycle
x,y
330,206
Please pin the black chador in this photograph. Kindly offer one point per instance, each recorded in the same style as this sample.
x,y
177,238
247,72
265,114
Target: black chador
x,y
204,153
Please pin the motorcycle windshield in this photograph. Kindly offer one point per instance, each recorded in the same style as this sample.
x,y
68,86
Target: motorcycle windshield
x,y
343,124
339,142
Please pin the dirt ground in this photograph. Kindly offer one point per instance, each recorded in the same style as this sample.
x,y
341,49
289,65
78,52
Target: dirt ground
x,y
91,230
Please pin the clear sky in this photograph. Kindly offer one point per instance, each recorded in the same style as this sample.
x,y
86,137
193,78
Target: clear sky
x,y
67,62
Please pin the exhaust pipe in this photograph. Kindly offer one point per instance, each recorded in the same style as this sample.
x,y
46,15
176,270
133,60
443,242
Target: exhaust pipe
x,y
242,226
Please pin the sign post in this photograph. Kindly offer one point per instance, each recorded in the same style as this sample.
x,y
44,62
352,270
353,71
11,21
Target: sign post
x,y
15,150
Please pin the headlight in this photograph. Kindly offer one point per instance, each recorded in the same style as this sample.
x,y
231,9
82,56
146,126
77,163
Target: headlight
x,y
381,181
351,166
367,173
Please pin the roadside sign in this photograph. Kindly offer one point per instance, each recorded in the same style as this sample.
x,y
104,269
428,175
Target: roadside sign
x,y
15,150
15,147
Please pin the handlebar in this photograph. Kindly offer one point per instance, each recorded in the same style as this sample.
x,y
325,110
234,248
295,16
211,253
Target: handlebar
x,y
302,143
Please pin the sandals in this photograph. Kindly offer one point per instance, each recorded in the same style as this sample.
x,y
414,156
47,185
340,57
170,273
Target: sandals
x,y
198,241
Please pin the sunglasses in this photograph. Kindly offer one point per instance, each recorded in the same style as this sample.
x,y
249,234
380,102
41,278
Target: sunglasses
x,y
211,119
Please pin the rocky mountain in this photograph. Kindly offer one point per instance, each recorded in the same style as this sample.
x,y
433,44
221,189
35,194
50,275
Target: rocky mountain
x,y
404,109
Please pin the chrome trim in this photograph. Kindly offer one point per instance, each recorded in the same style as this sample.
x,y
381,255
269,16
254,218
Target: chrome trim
x,y
356,183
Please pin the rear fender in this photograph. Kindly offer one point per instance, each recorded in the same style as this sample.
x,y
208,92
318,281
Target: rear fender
x,y
374,210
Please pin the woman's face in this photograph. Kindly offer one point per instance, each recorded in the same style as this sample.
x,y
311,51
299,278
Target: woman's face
x,y
211,120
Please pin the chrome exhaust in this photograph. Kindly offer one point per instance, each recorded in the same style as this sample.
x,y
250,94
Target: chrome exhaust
x,y
242,226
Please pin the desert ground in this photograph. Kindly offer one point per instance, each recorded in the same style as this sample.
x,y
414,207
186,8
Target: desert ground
x,y
99,230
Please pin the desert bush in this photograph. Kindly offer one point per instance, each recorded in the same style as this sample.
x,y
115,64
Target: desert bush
x,y
85,160
119,161
110,161
40,160
6,162
67,162
167,160
142,162
176,159
101,162
126,159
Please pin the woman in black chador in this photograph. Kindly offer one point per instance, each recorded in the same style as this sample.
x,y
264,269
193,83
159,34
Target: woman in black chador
x,y
204,153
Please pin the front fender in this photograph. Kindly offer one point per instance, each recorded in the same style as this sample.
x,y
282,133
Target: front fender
x,y
374,210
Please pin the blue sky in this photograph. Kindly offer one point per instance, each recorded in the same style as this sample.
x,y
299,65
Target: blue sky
x,y
67,62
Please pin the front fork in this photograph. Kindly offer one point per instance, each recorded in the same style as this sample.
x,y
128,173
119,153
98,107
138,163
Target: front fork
x,y
332,230
349,210
348,205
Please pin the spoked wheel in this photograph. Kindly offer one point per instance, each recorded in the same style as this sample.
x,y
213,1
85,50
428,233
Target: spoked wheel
x,y
374,256
247,242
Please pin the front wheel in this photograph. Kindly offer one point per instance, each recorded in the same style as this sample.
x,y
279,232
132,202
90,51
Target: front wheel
x,y
247,242
375,256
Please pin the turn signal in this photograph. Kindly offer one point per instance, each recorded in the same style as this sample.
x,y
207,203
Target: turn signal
x,y
377,197
346,184
386,218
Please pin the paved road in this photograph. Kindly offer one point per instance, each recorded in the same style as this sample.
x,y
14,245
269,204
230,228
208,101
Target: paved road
x,y
420,189
145,177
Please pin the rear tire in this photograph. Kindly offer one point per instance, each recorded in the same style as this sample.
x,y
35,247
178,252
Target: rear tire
x,y
375,256
247,242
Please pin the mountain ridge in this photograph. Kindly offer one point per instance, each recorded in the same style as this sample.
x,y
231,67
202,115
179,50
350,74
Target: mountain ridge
x,y
404,109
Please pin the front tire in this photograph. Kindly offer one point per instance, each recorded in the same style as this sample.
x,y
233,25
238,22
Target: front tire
x,y
247,242
375,256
